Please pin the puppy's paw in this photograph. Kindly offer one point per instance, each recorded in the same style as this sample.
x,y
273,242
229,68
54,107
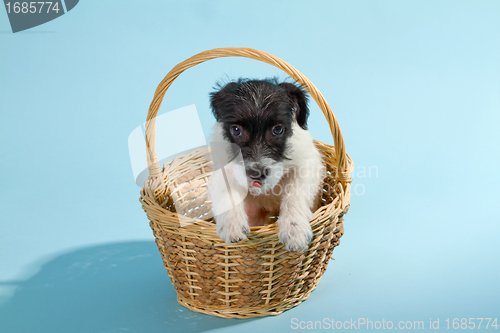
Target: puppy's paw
x,y
233,232
295,235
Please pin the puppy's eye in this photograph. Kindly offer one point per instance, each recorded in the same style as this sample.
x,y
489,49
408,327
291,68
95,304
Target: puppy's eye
x,y
278,130
235,130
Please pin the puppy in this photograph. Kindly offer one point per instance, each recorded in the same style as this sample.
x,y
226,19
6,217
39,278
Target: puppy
x,y
279,170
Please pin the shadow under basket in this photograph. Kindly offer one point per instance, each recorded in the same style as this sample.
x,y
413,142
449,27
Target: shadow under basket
x,y
257,276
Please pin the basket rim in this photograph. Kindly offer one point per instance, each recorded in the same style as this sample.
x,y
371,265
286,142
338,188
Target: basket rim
x,y
204,228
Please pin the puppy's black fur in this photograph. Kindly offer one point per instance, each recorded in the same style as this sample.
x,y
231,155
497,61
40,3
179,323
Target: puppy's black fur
x,y
256,106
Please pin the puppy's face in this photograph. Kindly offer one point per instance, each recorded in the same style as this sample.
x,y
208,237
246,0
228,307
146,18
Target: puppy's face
x,y
257,116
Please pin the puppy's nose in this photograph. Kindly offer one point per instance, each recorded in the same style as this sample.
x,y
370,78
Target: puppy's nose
x,y
259,173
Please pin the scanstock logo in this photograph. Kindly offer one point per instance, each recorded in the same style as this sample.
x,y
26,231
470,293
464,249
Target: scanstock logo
x,y
28,14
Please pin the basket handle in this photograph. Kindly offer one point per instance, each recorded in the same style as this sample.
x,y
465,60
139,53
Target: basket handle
x,y
154,164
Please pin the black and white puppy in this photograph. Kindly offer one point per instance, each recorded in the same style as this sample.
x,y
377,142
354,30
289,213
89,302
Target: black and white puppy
x,y
280,171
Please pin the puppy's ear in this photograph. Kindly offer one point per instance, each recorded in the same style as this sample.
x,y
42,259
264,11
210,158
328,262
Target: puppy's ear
x,y
222,98
299,97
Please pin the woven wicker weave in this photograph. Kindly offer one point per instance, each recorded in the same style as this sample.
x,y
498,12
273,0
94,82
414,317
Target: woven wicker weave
x,y
257,276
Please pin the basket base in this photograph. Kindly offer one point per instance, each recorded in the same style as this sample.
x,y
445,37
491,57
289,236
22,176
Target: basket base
x,y
244,313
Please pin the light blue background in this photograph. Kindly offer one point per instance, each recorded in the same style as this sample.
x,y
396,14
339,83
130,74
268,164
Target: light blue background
x,y
416,89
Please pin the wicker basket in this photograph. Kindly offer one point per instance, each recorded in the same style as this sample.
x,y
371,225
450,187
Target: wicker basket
x,y
255,277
